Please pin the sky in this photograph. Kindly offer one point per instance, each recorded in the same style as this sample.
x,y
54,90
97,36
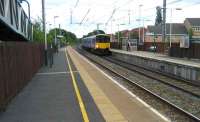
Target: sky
x,y
110,15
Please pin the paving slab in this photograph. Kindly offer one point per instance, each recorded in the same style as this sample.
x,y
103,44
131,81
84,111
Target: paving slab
x,y
50,97
120,106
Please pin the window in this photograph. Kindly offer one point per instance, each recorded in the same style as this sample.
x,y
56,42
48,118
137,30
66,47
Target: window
x,y
103,39
198,29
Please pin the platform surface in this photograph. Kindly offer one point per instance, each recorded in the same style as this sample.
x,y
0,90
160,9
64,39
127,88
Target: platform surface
x,y
161,57
75,90
50,97
128,105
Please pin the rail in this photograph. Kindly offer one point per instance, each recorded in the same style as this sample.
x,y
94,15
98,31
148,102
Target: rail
x,y
155,75
191,116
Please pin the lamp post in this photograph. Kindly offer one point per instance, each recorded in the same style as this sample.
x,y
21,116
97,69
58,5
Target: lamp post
x,y
144,20
55,29
118,33
112,29
139,20
118,30
50,26
28,7
170,42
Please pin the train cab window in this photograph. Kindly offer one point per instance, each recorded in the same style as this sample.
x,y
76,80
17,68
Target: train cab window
x,y
107,39
103,39
100,39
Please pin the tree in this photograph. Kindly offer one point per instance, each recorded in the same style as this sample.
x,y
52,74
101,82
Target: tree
x,y
38,34
68,37
190,32
51,36
158,15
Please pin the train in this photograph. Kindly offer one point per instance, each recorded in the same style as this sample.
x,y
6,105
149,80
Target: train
x,y
98,44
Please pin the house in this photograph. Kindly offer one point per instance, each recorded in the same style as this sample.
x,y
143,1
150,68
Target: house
x,y
134,33
175,33
194,25
125,33
184,38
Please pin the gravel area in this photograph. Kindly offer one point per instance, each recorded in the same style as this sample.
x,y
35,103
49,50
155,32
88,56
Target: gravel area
x,y
181,84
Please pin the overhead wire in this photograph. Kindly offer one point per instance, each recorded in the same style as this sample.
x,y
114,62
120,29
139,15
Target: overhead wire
x,y
85,16
76,4
169,3
113,12
115,9
194,4
118,7
173,2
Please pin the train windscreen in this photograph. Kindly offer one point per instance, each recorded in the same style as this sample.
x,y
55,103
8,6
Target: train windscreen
x,y
103,39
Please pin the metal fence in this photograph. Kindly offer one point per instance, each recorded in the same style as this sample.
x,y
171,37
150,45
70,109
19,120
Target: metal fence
x,y
192,52
116,45
19,61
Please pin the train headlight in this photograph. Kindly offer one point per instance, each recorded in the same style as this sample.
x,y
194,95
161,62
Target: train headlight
x,y
97,46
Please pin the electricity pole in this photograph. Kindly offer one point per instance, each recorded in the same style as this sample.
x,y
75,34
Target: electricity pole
x,y
98,26
129,22
164,23
44,30
55,38
129,18
70,16
139,22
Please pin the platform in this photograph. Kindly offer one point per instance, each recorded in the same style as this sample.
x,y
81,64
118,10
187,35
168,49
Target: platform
x,y
50,97
75,90
158,56
188,69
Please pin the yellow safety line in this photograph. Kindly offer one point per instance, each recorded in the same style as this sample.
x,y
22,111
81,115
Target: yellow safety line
x,y
81,104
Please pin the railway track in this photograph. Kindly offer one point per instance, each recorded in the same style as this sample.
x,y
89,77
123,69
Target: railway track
x,y
99,61
177,84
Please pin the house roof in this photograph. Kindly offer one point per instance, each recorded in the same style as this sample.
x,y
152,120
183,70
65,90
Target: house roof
x,y
194,21
137,29
177,28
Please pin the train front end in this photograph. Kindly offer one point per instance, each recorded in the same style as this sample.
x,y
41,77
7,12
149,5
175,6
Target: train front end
x,y
102,44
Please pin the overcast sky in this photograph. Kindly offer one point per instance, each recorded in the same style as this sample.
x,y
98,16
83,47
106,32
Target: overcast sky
x,y
92,12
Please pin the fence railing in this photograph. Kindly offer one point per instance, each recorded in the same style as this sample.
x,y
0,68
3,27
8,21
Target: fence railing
x,y
192,52
116,45
19,61
14,17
